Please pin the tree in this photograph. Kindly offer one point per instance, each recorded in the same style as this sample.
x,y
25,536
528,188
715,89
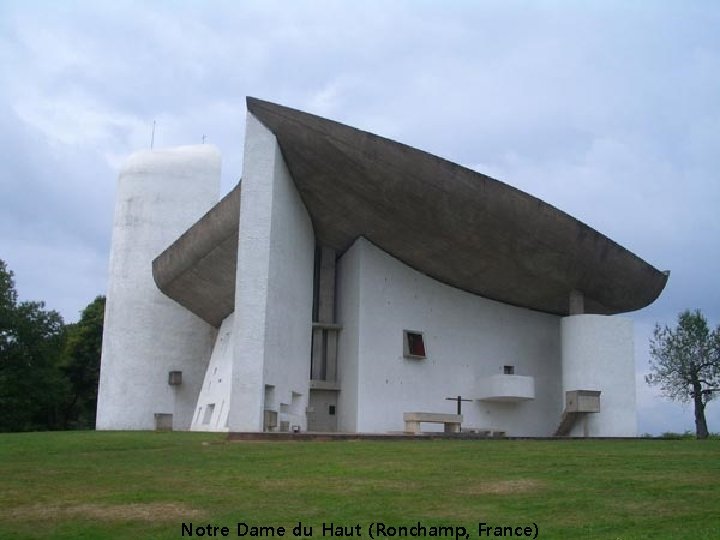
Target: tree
x,y
81,365
31,338
685,363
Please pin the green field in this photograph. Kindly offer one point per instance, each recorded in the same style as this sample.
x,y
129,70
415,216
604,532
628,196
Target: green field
x,y
145,485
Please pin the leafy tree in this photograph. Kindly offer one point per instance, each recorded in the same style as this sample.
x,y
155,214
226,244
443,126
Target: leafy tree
x,y
31,338
685,363
81,365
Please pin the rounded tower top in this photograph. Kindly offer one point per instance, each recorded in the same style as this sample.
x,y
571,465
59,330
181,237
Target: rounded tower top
x,y
186,159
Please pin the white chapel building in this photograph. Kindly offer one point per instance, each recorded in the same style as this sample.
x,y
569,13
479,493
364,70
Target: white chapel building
x,y
350,283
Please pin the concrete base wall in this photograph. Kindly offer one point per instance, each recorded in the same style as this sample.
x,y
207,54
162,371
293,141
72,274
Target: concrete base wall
x,y
273,318
598,354
159,195
466,338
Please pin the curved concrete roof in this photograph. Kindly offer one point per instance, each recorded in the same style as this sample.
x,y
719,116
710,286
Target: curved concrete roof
x,y
198,269
456,225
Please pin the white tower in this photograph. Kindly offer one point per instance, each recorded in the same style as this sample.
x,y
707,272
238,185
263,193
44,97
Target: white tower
x,y
160,194
598,354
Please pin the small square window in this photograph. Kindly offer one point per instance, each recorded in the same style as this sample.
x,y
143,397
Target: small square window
x,y
509,370
413,344
331,410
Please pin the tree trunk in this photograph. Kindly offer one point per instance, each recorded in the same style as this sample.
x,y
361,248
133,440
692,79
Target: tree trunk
x,y
701,430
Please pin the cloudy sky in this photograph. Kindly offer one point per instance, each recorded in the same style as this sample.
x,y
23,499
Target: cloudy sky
x,y
607,110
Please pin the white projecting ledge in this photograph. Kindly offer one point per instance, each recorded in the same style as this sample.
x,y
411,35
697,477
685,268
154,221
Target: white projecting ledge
x,y
505,388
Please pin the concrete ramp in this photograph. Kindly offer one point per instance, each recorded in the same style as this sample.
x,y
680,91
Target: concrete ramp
x,y
567,421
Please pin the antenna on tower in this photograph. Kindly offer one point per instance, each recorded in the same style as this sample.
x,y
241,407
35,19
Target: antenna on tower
x,y
152,137
204,137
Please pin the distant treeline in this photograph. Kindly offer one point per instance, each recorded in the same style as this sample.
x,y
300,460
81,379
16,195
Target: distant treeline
x,y
48,369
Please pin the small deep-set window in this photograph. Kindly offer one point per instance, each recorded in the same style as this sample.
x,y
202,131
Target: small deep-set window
x,y
331,410
509,370
209,410
414,345
175,378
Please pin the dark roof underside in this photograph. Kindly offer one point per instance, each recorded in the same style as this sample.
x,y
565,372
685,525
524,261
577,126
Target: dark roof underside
x,y
198,269
456,225
451,223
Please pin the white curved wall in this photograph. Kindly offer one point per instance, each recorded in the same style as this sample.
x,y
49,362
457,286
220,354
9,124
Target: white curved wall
x,y
160,194
597,354
467,338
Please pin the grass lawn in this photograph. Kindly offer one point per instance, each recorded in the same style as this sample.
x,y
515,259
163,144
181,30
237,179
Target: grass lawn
x,y
145,485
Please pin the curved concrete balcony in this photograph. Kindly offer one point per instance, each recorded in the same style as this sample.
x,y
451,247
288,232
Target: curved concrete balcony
x,y
505,388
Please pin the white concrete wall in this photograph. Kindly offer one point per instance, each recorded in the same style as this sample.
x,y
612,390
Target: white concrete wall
x,y
217,384
598,354
288,330
273,319
160,194
466,337
348,315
